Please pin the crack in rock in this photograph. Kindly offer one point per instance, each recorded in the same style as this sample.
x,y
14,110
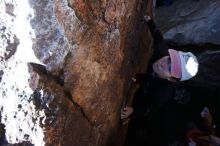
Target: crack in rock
x,y
79,108
42,70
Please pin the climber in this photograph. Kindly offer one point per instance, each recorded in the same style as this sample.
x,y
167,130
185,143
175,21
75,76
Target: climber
x,y
166,68
178,67
169,64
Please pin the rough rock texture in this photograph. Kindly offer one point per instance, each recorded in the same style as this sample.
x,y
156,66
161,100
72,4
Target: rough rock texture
x,y
65,123
190,22
65,68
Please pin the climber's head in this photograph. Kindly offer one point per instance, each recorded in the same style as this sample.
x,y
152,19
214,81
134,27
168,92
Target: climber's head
x,y
177,66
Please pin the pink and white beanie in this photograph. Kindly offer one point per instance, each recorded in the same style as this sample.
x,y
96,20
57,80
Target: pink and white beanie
x,y
184,65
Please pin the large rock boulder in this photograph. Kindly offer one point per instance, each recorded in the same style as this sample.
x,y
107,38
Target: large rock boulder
x,y
64,70
190,22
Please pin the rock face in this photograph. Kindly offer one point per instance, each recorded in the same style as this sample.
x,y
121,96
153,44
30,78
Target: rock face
x,y
190,22
64,68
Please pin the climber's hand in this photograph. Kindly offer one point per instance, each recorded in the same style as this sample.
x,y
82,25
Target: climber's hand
x,y
147,18
126,112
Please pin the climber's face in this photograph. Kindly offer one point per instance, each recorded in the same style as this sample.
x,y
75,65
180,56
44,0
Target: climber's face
x,y
162,68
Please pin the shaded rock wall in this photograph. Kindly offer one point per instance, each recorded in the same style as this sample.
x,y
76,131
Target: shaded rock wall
x,y
69,63
190,22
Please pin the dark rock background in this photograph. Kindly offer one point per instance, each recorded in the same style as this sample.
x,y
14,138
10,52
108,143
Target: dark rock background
x,y
190,22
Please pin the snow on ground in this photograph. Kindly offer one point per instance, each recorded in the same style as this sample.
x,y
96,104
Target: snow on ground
x,y
17,110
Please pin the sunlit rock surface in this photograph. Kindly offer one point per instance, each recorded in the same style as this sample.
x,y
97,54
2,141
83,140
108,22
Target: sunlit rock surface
x,y
18,113
65,67
190,22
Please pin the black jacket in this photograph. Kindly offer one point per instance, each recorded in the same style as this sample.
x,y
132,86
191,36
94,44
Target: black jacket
x,y
153,91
